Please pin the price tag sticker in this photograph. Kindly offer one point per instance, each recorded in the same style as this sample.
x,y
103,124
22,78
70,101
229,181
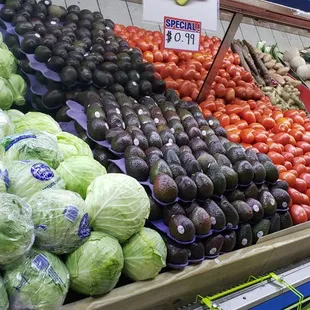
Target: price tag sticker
x,y
182,34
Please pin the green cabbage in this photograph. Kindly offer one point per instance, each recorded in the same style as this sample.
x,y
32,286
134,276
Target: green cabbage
x,y
18,87
4,178
6,125
8,64
79,171
145,255
118,205
96,266
33,145
61,224
28,177
14,115
71,145
39,282
16,228
4,301
6,95
37,121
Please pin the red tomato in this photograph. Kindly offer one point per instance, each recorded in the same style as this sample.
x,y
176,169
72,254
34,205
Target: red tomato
x,y
301,185
276,158
230,95
158,56
240,92
267,122
261,147
307,209
305,146
299,215
300,168
247,135
148,56
288,156
289,177
248,116
282,138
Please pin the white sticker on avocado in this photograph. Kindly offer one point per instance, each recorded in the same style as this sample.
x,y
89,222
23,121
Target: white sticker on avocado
x,y
217,261
53,22
37,35
107,126
136,142
124,126
204,133
134,83
260,234
172,130
169,144
213,220
256,208
117,111
140,111
272,201
170,141
181,229
210,123
46,2
146,96
85,55
156,120
284,204
108,28
213,251
97,114
108,42
244,241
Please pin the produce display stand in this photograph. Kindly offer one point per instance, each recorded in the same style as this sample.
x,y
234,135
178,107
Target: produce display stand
x,y
171,290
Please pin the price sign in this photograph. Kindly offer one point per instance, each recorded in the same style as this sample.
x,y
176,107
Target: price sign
x,y
182,34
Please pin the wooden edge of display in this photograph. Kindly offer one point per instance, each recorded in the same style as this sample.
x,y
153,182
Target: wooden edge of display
x,y
173,289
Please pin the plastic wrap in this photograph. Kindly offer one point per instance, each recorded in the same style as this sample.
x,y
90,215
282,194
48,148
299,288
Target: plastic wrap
x,y
6,125
40,281
4,178
4,301
16,228
60,221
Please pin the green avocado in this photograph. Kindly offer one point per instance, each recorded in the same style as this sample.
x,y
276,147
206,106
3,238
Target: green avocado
x,y
181,2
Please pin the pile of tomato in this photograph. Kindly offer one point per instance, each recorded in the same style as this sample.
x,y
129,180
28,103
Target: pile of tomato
x,y
241,107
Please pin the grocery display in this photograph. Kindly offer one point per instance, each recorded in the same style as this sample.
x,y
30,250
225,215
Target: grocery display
x,y
112,173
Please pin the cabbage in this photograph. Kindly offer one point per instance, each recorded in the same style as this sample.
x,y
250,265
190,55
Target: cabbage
x,y
96,266
61,225
16,228
71,145
33,145
39,282
37,121
18,87
6,125
4,178
118,205
145,255
4,302
28,177
14,115
6,95
8,64
79,171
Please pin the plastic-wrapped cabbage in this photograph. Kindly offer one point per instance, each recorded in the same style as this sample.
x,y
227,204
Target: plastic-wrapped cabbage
x,y
16,228
28,177
79,171
6,125
4,301
61,224
18,87
4,178
40,282
8,64
96,266
118,205
14,115
145,255
37,121
32,145
71,145
6,95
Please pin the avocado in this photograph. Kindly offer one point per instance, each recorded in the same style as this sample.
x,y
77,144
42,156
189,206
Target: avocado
x,y
207,131
244,236
236,194
189,207
286,220
112,168
186,187
97,129
204,185
222,160
205,160
251,155
113,132
182,228
230,240
218,179
170,146
220,131
275,224
152,158
236,154
181,138
159,167
245,172
262,188
193,132
257,208
192,166
231,214
156,210
216,147
272,173
134,151
197,144
263,158
121,142
165,189
103,156
231,145
137,168
196,250
153,150
268,202
212,122
139,139
231,177
171,157
181,2
177,255
245,212
280,184
251,191
260,229
213,245
177,170
131,120
201,221
171,210
94,110
218,219
259,172
185,149
154,139
282,198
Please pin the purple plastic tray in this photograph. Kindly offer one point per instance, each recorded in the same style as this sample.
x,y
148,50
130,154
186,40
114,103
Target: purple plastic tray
x,y
68,127
177,266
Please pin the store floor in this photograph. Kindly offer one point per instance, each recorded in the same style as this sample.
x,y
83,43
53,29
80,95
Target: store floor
x,y
128,13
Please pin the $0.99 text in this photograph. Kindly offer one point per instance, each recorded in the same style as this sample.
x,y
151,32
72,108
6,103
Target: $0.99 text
x,y
177,37
182,40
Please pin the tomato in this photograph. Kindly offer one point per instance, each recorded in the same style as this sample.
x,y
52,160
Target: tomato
x,y
233,137
282,138
185,88
246,76
276,158
247,135
220,90
307,210
248,116
290,149
158,56
267,122
236,59
206,113
261,147
241,124
288,165
298,213
301,185
299,160
300,168
148,56
298,135
289,178
288,156
224,120
305,146
230,94
233,108
281,168
142,45
240,92
295,195
210,105
260,136
298,120
299,151
275,147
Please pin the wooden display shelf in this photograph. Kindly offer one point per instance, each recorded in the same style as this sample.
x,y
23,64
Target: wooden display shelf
x,y
174,289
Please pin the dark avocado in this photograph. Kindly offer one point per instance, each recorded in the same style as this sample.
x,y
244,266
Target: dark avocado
x,y
121,142
201,221
156,211
137,168
218,219
245,212
172,210
204,185
181,228
177,255
213,245
159,167
103,156
165,189
186,187
232,216
134,151
230,240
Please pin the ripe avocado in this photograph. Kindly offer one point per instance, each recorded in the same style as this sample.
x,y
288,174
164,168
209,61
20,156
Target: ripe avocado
x,y
231,214
166,136
170,146
193,132
177,170
218,219
171,157
181,228
212,122
176,254
114,169
236,154
245,172
154,139
280,184
251,191
137,168
131,120
245,212
165,189
257,208
216,148
113,132
220,132
197,251
97,129
204,185
139,139
136,151
192,166
260,229
230,240
251,155
121,142
159,167
272,173
186,187
218,179
213,245
197,144
259,172
201,220
268,202
153,150
244,236
156,211
151,159
275,224
204,160
286,220
174,209
237,194
222,160
282,198
263,158
181,138
231,177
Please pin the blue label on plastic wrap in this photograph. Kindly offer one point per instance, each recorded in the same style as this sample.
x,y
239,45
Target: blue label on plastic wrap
x,y
21,283
84,229
43,227
4,175
8,142
71,213
42,172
